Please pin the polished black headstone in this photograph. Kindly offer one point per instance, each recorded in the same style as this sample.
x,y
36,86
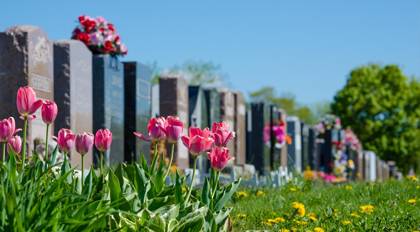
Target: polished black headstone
x,y
137,84
108,102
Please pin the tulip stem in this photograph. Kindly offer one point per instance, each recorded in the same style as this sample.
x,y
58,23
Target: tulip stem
x,y
4,152
154,156
215,185
25,126
83,171
101,157
46,144
192,179
170,161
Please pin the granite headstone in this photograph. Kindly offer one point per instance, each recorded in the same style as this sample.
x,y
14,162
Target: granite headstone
x,y
240,128
108,103
173,96
73,90
137,108
26,59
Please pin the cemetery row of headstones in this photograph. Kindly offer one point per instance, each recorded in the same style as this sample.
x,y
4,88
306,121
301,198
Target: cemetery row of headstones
x,y
98,91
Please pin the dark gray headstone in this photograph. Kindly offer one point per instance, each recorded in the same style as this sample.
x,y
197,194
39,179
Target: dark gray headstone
x,y
26,58
108,103
137,108
240,129
173,96
73,90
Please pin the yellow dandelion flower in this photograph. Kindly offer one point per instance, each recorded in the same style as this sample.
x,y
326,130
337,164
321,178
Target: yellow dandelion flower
x,y
354,214
348,187
173,168
241,216
309,175
418,187
346,222
284,230
301,223
279,219
412,201
412,178
300,208
367,209
242,194
318,229
294,229
260,193
313,217
293,189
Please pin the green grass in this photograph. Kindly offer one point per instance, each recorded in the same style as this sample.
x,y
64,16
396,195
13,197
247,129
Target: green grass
x,y
332,206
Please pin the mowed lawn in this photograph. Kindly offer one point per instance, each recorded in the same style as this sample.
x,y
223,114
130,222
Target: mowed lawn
x,y
315,206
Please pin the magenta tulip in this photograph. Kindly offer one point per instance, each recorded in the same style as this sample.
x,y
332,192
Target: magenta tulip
x,y
198,140
174,129
219,157
157,128
49,111
14,144
65,140
27,103
7,129
222,134
84,142
103,139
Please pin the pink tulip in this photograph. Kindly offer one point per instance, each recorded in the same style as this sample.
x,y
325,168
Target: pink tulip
x,y
27,103
198,140
219,157
157,128
7,129
65,139
174,129
222,134
103,139
84,142
14,144
49,111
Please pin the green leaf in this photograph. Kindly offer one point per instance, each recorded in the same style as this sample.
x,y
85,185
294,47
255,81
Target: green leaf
x,y
227,195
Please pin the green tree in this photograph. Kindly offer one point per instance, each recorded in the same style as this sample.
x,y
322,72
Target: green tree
x,y
382,106
286,101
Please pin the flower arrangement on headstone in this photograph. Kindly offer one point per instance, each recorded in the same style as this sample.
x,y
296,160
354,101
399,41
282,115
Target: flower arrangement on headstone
x,y
99,35
103,41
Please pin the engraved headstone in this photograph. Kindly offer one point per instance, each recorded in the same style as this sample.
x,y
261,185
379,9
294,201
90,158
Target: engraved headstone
x,y
137,108
73,90
26,59
174,101
213,105
295,148
240,128
108,103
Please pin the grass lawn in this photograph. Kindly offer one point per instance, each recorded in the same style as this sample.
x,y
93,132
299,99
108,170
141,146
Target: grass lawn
x,y
314,206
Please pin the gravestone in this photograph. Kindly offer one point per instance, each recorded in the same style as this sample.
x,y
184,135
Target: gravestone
x,y
26,59
73,90
227,106
240,128
198,117
137,108
295,148
212,97
108,103
173,96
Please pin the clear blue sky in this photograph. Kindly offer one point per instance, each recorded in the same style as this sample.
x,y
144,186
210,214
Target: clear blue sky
x,y
303,47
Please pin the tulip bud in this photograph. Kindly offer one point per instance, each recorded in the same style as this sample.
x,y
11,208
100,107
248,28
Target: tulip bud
x,y
222,134
219,158
103,139
49,111
26,102
84,143
157,128
7,129
14,144
198,140
65,140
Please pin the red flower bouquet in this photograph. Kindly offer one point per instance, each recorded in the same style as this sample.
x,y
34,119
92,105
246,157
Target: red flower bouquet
x,y
99,36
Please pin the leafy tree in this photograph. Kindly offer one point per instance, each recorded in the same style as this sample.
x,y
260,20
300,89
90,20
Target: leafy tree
x,y
196,72
286,101
382,106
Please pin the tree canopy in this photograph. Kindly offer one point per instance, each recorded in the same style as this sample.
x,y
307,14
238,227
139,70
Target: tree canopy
x,y
382,106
